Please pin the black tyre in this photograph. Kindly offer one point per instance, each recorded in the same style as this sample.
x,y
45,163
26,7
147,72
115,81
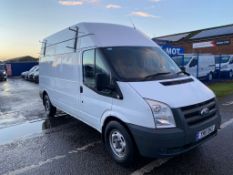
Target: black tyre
x,y
230,74
49,108
119,143
210,76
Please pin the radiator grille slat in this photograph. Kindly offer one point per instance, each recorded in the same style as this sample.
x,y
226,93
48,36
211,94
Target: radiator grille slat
x,y
192,113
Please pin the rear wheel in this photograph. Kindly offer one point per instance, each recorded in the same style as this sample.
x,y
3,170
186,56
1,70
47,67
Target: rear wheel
x,y
230,74
50,110
210,76
119,143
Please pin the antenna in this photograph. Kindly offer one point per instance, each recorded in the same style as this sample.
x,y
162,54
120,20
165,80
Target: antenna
x,y
132,23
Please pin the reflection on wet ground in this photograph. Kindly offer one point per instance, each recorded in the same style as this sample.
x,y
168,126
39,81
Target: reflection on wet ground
x,y
33,128
22,113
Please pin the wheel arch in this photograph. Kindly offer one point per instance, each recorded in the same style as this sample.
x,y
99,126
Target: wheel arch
x,y
110,118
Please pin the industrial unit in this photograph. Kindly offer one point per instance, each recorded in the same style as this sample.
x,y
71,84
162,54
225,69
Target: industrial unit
x,y
216,40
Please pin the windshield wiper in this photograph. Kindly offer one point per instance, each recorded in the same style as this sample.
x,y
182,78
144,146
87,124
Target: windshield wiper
x,y
155,75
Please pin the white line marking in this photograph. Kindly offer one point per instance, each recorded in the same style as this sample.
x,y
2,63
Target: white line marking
x,y
88,146
50,160
27,168
227,123
149,167
228,103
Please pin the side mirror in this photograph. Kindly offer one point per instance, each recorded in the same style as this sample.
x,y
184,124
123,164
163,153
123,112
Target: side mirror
x,y
102,81
183,69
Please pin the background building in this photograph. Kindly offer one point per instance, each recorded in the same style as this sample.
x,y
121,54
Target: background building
x,y
216,40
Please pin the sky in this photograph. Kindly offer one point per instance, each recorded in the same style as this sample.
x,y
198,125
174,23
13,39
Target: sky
x,y
23,23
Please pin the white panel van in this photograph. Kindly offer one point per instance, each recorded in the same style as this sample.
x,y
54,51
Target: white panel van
x,y
201,66
118,81
224,65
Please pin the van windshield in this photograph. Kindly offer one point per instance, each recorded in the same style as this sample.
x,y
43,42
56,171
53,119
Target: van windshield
x,y
140,63
223,59
182,61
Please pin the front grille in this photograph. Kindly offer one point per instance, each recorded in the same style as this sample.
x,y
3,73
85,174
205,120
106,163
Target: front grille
x,y
193,115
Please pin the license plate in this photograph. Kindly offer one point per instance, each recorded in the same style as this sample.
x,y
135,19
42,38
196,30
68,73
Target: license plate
x,y
205,132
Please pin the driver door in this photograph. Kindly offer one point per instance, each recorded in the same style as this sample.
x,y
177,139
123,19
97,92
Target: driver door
x,y
93,104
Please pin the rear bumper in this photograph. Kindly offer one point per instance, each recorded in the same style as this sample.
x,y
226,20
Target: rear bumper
x,y
169,142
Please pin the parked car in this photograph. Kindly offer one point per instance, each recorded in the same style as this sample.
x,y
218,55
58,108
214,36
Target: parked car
x,y
24,74
36,76
202,67
29,75
224,65
3,74
128,89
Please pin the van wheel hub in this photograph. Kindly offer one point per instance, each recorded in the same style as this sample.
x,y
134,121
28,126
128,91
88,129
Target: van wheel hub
x,y
117,143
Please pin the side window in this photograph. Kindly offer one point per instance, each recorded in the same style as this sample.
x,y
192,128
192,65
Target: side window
x,y
100,65
93,64
89,68
193,63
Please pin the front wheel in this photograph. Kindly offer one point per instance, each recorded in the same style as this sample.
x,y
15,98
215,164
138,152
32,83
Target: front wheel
x,y
119,143
50,110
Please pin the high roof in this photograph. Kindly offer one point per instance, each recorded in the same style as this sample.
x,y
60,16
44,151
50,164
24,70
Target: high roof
x,y
102,35
199,34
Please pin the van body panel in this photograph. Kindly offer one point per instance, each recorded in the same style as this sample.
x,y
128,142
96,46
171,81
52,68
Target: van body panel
x,y
133,108
175,95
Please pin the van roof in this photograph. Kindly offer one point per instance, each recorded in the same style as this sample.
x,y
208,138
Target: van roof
x,y
102,35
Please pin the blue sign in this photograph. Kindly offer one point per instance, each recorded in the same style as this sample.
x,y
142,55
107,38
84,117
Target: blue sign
x,y
173,51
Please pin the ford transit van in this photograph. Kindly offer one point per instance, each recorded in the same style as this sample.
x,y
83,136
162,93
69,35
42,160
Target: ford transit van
x,y
201,66
118,81
224,65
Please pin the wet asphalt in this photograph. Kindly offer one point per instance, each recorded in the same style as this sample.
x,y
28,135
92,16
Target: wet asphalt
x,y
31,143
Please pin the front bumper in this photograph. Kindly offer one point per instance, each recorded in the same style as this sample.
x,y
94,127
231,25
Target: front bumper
x,y
169,142
3,77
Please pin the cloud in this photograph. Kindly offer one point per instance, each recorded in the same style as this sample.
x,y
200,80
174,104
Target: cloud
x,y
143,14
155,1
113,6
70,3
76,2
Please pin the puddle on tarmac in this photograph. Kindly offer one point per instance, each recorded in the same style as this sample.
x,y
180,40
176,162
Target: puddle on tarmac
x,y
31,128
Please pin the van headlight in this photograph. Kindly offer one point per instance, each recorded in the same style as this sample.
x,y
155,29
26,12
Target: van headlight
x,y
162,113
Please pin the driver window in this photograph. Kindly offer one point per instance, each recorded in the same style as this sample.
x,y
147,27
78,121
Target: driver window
x,y
193,63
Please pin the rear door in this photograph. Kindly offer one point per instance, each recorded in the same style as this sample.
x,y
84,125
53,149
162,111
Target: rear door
x,y
93,103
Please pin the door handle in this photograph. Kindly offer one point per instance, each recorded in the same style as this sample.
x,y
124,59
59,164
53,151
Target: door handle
x,y
81,89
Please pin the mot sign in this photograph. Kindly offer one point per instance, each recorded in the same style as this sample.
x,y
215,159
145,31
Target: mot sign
x,y
173,51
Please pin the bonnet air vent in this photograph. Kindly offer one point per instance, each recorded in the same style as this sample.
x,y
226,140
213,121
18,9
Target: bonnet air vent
x,y
170,83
